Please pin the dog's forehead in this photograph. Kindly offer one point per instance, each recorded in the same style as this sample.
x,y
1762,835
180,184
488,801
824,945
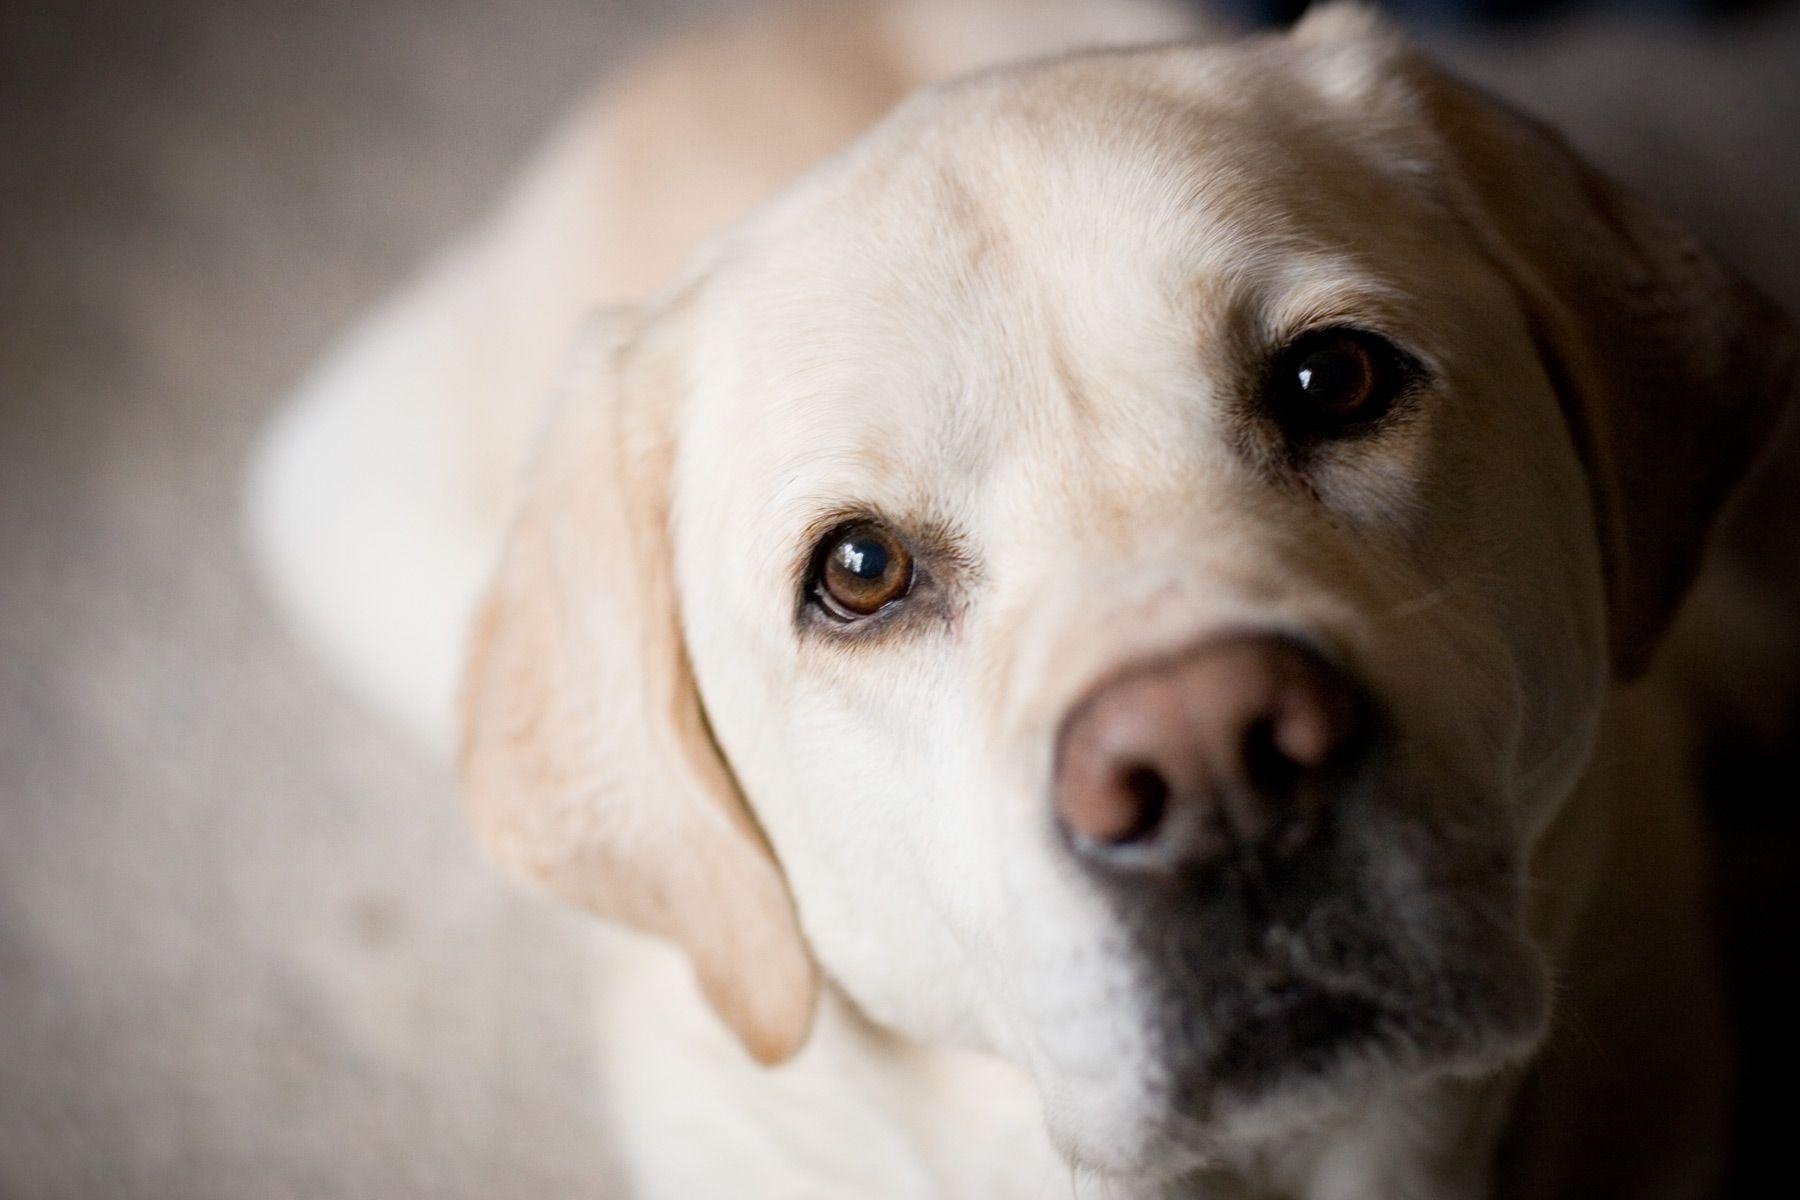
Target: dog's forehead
x,y
1019,267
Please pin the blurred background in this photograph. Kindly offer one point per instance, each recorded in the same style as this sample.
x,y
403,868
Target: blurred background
x,y
246,947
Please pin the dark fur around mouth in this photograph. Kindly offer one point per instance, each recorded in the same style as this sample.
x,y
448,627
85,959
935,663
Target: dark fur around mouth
x,y
1295,1027
1397,950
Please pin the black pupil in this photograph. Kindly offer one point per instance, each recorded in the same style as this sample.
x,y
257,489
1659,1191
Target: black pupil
x,y
1326,373
863,557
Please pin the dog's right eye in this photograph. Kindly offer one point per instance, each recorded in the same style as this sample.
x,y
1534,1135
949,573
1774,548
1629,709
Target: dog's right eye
x,y
1332,383
861,569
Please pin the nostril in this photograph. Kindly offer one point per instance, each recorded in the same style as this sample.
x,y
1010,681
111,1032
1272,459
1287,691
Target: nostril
x,y
1149,794
1107,801
1270,766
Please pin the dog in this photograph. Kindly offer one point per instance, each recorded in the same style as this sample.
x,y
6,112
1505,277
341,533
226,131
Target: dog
x,y
1104,638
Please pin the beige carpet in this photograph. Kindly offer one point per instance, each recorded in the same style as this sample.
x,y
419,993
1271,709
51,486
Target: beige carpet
x,y
245,946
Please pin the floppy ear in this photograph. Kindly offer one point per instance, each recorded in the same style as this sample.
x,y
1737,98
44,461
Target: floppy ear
x,y
586,758
1672,371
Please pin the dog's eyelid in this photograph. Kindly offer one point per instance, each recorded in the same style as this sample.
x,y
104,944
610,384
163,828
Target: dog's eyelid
x,y
1362,325
1381,311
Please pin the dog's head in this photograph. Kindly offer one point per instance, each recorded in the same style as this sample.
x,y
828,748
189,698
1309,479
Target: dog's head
x,y
1119,569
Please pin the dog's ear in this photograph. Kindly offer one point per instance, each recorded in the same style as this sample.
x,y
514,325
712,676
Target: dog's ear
x,y
1672,371
586,758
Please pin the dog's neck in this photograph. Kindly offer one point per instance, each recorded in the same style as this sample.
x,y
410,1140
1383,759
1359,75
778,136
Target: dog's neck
x,y
857,1112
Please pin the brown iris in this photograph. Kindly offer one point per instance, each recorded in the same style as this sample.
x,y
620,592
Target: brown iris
x,y
863,569
1335,381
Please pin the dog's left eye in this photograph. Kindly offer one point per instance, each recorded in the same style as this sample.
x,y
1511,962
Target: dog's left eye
x,y
860,570
1334,382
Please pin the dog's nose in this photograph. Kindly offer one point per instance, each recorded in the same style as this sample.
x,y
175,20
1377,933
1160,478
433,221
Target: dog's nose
x,y
1236,745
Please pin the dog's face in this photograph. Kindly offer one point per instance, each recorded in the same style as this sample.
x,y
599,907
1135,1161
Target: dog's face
x,y
1147,549
1041,352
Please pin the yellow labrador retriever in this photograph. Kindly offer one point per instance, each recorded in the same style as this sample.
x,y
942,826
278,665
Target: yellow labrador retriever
x,y
1096,623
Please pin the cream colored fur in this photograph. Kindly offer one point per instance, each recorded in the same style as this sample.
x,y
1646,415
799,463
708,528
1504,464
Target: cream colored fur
x,y
1011,309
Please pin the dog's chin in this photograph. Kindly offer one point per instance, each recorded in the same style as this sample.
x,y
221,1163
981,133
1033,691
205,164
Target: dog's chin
x,y
1297,1058
1305,1055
